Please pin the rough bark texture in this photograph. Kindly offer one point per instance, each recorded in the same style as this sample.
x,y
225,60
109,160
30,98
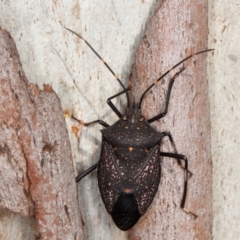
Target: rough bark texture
x,y
178,29
224,94
36,172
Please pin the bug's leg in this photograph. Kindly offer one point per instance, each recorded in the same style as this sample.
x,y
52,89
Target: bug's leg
x,y
101,122
161,115
112,106
89,170
169,135
108,67
86,172
184,158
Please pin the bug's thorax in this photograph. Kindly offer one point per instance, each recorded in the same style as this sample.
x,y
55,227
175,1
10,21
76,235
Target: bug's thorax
x,y
132,131
133,114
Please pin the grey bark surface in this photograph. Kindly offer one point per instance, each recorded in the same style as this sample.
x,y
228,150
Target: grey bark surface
x,y
36,172
178,29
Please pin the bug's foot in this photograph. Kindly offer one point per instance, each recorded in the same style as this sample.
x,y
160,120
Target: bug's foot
x,y
189,172
78,120
189,212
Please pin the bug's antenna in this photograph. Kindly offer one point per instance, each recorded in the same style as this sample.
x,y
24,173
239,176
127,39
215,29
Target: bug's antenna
x,y
124,88
161,77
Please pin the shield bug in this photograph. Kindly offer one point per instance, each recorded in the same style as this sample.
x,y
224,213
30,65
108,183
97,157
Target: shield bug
x,y
129,168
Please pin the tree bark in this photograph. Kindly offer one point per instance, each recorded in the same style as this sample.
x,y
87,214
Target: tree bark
x,y
37,176
50,55
178,29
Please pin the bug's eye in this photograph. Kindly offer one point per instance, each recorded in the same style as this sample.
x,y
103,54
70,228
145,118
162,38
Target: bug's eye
x,y
141,119
124,118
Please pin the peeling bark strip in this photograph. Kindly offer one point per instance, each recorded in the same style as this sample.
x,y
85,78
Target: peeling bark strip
x,y
178,29
36,171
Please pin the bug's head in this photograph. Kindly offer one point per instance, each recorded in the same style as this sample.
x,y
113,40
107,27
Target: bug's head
x,y
133,114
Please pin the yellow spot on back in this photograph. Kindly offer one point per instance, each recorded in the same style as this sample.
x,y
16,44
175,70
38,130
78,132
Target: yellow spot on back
x,y
130,149
127,190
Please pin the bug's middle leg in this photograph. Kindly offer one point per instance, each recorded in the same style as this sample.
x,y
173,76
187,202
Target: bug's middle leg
x,y
178,156
169,135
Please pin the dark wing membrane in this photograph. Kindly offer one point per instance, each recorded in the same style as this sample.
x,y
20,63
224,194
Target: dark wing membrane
x,y
109,179
125,212
147,180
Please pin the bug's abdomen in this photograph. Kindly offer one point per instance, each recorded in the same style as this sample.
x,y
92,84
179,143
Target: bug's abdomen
x,y
125,211
127,190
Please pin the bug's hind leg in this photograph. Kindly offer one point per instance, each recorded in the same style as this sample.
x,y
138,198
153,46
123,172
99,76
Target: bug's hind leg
x,y
161,115
184,158
86,172
101,122
92,168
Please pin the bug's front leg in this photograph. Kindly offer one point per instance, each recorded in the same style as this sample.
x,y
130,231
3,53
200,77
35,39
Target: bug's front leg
x,y
109,102
101,122
112,106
